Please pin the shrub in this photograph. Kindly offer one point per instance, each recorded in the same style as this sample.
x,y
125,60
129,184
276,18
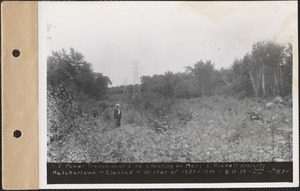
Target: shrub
x,y
148,105
61,112
107,115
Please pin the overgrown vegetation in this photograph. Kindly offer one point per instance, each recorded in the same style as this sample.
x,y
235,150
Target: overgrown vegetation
x,y
211,129
242,113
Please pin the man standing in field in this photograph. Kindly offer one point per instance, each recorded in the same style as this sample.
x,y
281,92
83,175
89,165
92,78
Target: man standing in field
x,y
118,115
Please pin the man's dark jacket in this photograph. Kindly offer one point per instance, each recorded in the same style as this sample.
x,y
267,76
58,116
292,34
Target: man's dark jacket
x,y
116,115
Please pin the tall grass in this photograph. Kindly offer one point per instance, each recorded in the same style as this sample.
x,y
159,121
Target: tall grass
x,y
154,129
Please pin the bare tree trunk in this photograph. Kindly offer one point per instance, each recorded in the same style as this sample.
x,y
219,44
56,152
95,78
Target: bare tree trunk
x,y
254,84
263,80
259,81
280,77
276,82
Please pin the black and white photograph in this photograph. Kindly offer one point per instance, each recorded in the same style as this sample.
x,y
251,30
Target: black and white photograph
x,y
161,85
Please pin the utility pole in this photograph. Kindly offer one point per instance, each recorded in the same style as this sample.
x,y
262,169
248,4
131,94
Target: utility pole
x,y
136,92
125,91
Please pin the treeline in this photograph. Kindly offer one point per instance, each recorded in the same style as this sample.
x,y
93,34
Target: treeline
x,y
71,71
72,90
265,71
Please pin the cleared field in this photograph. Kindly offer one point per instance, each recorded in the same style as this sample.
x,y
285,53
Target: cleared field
x,y
212,129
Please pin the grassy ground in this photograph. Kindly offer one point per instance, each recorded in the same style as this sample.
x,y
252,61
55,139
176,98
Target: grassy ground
x,y
212,129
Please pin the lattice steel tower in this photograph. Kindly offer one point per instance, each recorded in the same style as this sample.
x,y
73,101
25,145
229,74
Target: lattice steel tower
x,y
125,90
136,80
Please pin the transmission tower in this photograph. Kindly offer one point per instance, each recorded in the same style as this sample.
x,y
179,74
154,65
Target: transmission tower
x,y
125,91
136,80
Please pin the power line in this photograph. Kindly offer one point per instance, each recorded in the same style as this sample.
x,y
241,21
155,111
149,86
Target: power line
x,y
136,92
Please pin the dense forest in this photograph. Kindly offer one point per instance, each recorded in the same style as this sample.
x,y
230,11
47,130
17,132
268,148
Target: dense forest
x,y
203,114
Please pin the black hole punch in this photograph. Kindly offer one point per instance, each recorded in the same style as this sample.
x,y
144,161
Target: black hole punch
x,y
16,53
17,133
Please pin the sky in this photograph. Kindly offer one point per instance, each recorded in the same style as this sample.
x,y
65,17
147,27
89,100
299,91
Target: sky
x,y
163,36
